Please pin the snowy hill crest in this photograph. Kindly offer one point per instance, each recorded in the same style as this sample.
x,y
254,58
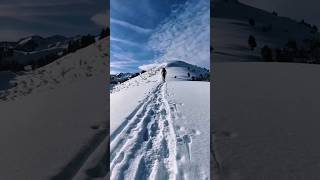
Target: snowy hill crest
x,y
176,71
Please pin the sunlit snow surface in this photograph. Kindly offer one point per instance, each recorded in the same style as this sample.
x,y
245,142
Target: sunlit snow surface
x,y
161,130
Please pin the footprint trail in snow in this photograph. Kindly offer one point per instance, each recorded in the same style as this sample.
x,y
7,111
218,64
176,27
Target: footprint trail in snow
x,y
146,147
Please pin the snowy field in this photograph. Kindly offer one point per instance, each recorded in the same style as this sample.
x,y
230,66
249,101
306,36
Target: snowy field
x,y
266,121
160,130
53,121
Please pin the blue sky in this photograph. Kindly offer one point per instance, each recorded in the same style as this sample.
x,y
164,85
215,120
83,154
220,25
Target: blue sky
x,y
20,18
147,31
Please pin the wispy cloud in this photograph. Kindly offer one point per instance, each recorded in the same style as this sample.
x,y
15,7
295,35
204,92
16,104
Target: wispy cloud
x,y
124,57
181,33
185,35
127,42
131,26
135,10
121,57
122,65
150,66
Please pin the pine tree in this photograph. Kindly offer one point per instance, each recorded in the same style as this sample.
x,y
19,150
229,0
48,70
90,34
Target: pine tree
x,y
105,32
252,22
252,42
292,44
315,28
266,53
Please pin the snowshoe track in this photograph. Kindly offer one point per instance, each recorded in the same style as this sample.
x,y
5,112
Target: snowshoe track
x,y
145,146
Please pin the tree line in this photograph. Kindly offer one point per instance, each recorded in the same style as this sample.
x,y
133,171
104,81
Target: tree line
x,y
308,52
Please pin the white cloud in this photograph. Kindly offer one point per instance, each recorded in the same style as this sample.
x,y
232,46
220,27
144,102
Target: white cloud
x,y
121,65
101,19
150,66
124,57
125,41
185,35
121,59
131,26
140,8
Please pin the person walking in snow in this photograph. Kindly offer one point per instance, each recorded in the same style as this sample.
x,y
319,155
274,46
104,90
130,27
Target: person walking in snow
x,y
164,73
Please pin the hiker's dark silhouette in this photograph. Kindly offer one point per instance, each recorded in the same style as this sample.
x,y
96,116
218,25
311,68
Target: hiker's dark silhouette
x,y
164,73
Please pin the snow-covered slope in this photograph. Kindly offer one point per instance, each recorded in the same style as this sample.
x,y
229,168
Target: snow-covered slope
x,y
266,121
231,30
265,117
84,63
53,122
157,128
